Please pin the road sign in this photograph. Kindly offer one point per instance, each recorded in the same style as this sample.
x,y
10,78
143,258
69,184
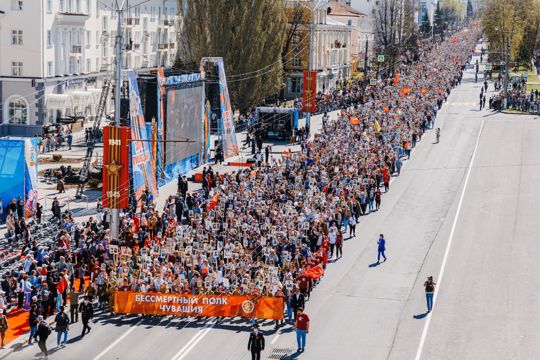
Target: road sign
x,y
488,67
373,82
525,74
380,58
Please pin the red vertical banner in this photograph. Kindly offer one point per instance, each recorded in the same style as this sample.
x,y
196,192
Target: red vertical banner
x,y
115,192
309,91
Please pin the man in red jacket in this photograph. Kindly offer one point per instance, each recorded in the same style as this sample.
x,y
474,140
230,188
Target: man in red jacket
x,y
302,329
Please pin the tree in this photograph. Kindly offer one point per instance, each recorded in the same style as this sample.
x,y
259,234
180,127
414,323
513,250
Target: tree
x,y
439,23
425,29
469,9
247,34
388,29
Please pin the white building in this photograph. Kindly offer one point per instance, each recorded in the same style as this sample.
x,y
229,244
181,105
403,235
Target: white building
x,y
54,55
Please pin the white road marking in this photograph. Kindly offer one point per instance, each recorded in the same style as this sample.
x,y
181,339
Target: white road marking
x,y
108,348
193,342
275,339
448,245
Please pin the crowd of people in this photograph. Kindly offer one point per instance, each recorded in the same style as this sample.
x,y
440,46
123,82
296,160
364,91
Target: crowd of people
x,y
258,230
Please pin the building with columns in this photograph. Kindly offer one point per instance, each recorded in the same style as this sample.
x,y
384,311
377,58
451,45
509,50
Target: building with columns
x,y
55,54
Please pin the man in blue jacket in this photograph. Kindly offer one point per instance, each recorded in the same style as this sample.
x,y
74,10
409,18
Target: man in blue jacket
x,y
381,249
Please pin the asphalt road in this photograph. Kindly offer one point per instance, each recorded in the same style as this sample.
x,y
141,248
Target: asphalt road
x,y
464,210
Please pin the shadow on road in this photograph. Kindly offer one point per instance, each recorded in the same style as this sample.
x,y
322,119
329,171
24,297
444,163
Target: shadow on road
x,y
420,316
375,264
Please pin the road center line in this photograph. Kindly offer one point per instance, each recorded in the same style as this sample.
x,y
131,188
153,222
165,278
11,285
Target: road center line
x,y
108,348
184,351
275,339
448,245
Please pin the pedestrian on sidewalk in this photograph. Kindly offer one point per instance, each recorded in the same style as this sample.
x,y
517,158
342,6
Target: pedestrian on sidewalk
x,y
429,285
381,248
62,327
69,138
87,313
352,223
43,332
256,343
302,329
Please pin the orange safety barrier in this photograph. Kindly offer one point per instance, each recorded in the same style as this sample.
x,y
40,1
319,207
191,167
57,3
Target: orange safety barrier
x,y
260,307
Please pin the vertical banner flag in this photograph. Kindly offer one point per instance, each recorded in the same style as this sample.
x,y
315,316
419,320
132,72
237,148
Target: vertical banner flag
x,y
141,160
161,98
31,176
228,133
115,191
206,138
309,91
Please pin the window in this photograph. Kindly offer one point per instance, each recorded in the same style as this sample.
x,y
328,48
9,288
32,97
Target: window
x,y
62,5
49,6
88,35
88,66
16,37
17,111
153,13
105,23
88,6
97,64
49,38
49,68
295,85
78,6
69,6
17,5
296,60
16,68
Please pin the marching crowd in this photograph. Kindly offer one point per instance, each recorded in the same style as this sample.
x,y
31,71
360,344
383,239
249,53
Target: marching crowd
x,y
269,229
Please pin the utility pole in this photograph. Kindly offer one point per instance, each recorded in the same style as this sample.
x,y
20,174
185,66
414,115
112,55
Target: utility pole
x,y
310,67
507,70
115,213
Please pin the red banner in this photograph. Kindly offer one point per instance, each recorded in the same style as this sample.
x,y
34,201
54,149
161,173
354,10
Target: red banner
x,y
115,190
259,307
309,91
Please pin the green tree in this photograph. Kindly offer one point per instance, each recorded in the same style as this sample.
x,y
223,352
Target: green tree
x,y
439,23
426,26
247,34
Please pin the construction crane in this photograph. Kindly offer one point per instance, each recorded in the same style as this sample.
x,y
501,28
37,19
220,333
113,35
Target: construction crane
x,y
83,177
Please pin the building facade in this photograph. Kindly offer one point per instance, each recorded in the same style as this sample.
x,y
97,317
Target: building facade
x,y
331,49
55,54
362,27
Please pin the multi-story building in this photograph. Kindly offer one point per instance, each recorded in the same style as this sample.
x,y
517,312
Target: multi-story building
x,y
362,26
331,48
54,55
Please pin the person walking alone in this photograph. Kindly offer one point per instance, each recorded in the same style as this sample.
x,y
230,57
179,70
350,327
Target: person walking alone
x,y
43,332
87,313
256,343
302,329
429,285
62,327
381,249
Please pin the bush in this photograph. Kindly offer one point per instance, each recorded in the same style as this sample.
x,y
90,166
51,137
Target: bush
x,y
57,157
93,183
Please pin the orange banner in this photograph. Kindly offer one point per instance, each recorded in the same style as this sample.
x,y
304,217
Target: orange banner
x,y
259,307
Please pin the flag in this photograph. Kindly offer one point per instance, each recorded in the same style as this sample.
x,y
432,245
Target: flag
x,y
405,91
396,79
286,153
423,91
386,110
62,285
314,273
213,203
355,121
377,126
